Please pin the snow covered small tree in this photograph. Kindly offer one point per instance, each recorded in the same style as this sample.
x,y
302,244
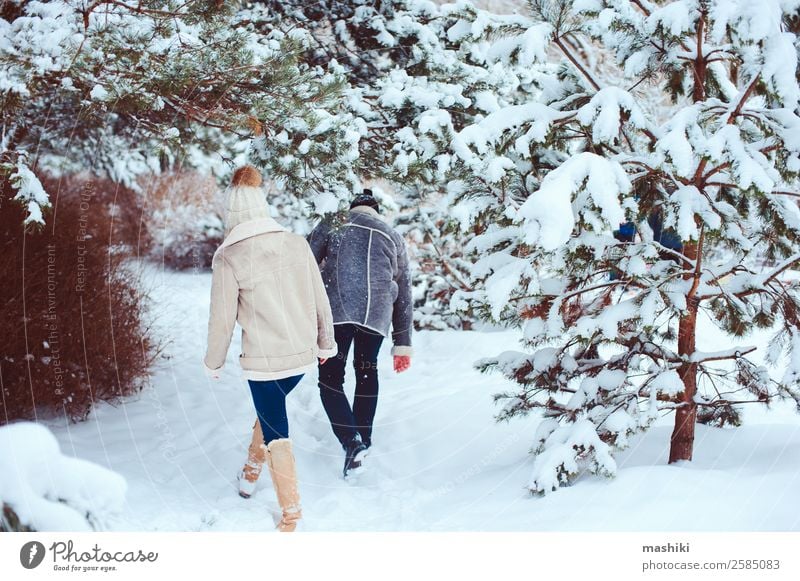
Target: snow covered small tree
x,y
627,225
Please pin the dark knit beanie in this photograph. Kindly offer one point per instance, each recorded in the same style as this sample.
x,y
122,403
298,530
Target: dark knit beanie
x,y
365,198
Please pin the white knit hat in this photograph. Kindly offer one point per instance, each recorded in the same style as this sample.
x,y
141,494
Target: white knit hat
x,y
245,200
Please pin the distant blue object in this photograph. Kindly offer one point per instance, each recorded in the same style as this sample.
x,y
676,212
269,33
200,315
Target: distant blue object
x,y
626,232
667,238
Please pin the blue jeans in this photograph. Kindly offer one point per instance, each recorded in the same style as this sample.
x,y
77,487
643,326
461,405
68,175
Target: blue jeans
x,y
346,421
269,397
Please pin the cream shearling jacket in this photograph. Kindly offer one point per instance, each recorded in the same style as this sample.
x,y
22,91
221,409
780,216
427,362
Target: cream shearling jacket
x,y
266,279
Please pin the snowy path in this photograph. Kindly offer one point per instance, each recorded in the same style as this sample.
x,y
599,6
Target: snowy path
x,y
439,461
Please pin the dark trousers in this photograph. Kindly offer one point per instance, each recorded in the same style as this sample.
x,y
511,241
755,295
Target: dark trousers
x,y
346,421
269,397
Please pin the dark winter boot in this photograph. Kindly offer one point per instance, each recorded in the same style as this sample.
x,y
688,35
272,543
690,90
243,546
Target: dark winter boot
x,y
354,454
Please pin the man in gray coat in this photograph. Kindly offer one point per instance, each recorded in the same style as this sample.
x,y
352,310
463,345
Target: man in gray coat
x,y
365,269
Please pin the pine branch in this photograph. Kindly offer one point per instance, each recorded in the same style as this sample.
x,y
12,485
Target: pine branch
x,y
578,292
676,254
736,353
788,263
785,265
575,62
745,96
448,269
727,164
137,9
782,193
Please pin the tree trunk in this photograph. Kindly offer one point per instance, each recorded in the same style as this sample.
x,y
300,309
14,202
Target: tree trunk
x,y
682,440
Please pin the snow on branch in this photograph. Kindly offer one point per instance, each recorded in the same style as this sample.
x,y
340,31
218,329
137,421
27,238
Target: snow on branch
x,y
563,449
644,235
548,212
765,278
690,203
30,193
603,113
478,139
734,353
524,49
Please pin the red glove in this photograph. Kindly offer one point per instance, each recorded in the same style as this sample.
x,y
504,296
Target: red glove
x,y
402,363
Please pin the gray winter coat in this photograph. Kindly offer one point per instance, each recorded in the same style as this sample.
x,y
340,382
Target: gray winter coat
x,y
365,269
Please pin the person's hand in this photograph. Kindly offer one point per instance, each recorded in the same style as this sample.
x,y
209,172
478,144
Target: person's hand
x,y
402,363
211,373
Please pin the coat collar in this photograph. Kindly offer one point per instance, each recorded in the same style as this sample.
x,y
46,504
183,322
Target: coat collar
x,y
249,229
367,210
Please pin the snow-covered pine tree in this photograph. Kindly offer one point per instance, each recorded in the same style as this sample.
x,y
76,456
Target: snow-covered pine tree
x,y
627,226
122,89
418,74
453,72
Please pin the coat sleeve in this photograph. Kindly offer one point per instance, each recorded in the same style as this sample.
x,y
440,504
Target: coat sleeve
x,y
222,315
318,240
403,310
326,340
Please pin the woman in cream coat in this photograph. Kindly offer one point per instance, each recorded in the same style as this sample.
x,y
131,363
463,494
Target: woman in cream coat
x,y
266,279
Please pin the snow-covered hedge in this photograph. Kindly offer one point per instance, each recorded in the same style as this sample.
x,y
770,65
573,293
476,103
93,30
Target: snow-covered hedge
x,y
43,490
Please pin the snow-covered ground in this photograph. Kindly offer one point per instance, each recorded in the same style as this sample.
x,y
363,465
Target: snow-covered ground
x,y
439,461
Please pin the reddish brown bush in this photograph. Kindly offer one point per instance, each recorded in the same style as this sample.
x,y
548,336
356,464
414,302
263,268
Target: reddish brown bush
x,y
72,313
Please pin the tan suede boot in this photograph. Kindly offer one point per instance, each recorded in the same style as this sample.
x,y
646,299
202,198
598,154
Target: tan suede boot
x,y
256,456
284,477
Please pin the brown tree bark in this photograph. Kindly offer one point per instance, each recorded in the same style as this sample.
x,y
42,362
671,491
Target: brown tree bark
x,y
682,440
